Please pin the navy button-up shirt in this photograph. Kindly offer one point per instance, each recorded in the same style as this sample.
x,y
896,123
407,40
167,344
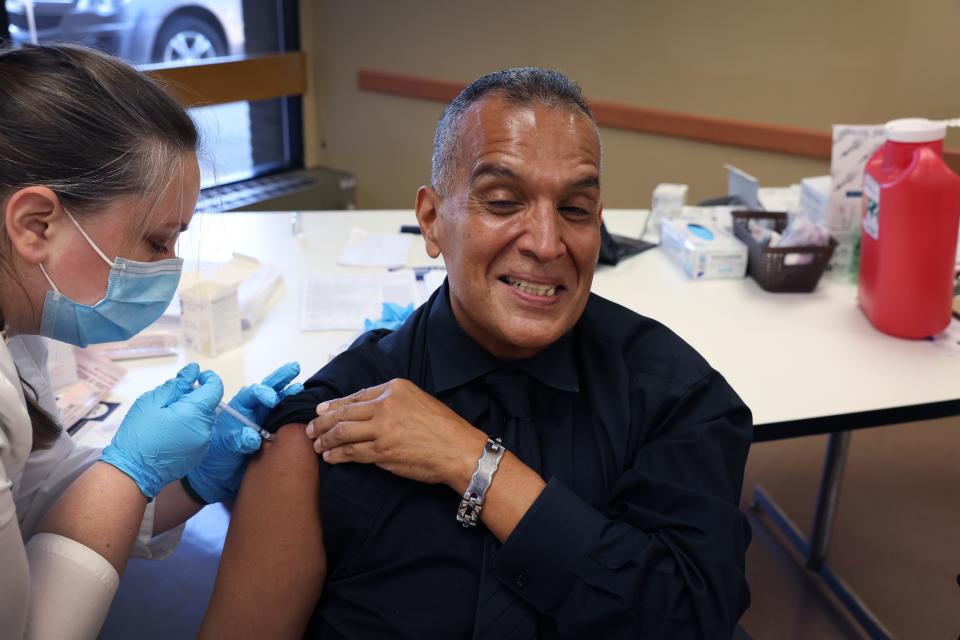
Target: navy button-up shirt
x,y
637,533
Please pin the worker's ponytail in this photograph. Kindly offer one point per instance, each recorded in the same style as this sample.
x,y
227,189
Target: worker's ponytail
x,y
46,429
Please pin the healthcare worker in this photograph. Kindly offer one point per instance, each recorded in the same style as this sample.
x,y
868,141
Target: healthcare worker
x,y
98,176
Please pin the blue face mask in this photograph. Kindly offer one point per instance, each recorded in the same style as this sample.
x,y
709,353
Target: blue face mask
x,y
137,294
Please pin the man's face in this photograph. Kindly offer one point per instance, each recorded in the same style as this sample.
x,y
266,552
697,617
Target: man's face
x,y
519,226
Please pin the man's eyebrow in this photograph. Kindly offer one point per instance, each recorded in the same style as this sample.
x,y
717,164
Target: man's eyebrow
x,y
499,171
490,169
590,182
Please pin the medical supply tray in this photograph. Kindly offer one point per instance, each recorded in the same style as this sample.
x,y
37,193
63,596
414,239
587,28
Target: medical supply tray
x,y
767,264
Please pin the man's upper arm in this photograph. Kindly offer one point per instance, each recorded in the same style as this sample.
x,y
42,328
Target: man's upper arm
x,y
273,559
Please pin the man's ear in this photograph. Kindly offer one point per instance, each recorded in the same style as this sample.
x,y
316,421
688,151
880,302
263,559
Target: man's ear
x,y
28,216
428,215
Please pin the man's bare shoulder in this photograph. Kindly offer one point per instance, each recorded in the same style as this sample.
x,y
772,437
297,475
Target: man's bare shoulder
x,y
290,444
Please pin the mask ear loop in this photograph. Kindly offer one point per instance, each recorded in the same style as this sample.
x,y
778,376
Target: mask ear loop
x,y
88,239
55,289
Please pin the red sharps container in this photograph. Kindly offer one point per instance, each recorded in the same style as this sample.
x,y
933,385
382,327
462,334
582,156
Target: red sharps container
x,y
908,231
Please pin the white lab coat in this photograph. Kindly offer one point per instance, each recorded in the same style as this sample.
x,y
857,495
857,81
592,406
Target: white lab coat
x,y
48,472
52,586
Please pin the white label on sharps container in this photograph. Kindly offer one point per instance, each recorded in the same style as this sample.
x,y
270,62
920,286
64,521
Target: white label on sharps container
x,y
871,216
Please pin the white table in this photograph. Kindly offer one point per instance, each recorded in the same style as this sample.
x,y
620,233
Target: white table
x,y
804,363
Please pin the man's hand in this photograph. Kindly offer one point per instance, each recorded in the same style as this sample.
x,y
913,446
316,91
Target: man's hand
x,y
402,429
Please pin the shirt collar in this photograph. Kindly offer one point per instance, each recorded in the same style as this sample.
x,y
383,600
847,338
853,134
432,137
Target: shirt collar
x,y
455,358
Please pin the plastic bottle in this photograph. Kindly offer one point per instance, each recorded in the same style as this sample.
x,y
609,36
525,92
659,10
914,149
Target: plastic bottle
x,y
908,235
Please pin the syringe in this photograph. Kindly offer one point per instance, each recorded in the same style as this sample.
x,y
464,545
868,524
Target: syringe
x,y
247,422
230,411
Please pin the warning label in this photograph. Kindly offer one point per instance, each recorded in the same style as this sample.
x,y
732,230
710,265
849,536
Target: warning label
x,y
871,215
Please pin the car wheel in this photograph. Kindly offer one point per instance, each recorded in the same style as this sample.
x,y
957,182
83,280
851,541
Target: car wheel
x,y
186,39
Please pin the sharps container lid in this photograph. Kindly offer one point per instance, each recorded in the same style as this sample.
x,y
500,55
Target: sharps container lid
x,y
915,130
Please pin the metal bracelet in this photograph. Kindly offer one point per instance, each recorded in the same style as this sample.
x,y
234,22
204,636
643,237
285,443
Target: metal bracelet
x,y
468,514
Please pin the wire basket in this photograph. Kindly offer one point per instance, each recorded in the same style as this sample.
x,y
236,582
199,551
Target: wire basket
x,y
769,265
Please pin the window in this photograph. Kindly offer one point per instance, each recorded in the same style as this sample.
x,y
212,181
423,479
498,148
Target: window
x,y
253,128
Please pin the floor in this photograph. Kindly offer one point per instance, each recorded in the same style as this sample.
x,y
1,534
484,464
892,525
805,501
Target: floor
x,y
895,541
895,538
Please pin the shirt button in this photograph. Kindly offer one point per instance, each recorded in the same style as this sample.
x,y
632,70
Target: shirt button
x,y
521,580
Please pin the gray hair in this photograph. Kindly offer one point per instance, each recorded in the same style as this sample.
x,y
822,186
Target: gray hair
x,y
521,86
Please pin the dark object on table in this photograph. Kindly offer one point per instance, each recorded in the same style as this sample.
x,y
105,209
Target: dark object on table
x,y
410,228
766,264
614,248
723,201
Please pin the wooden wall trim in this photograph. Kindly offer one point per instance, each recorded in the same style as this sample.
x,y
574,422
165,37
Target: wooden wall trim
x,y
234,80
735,133
725,131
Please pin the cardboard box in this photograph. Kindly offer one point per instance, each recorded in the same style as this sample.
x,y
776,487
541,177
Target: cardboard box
x,y
703,249
815,199
211,317
668,202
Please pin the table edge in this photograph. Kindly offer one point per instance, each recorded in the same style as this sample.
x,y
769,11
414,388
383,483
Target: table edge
x,y
856,420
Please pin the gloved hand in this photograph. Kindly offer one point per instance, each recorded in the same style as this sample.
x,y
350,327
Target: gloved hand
x,y
393,317
167,430
218,476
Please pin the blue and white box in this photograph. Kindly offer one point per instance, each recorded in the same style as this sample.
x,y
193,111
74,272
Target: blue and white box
x,y
703,249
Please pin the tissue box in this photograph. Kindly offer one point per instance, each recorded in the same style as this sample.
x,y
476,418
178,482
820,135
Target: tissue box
x,y
703,249
210,317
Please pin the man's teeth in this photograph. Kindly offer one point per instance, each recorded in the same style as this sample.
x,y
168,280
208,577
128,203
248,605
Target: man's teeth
x,y
532,288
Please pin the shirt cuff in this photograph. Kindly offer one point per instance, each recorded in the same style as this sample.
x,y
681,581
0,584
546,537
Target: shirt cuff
x,y
71,588
540,558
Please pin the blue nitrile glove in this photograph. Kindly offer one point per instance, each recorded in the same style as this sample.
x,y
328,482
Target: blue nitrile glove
x,y
167,430
393,316
218,476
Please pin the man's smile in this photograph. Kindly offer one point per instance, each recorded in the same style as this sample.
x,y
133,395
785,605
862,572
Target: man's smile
x,y
529,287
534,291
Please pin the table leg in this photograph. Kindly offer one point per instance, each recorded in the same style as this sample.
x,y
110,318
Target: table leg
x,y
814,551
829,494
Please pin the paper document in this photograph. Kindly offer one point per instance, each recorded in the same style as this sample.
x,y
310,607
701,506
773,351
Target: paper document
x,y
97,371
98,428
61,363
96,378
343,302
366,249
148,344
